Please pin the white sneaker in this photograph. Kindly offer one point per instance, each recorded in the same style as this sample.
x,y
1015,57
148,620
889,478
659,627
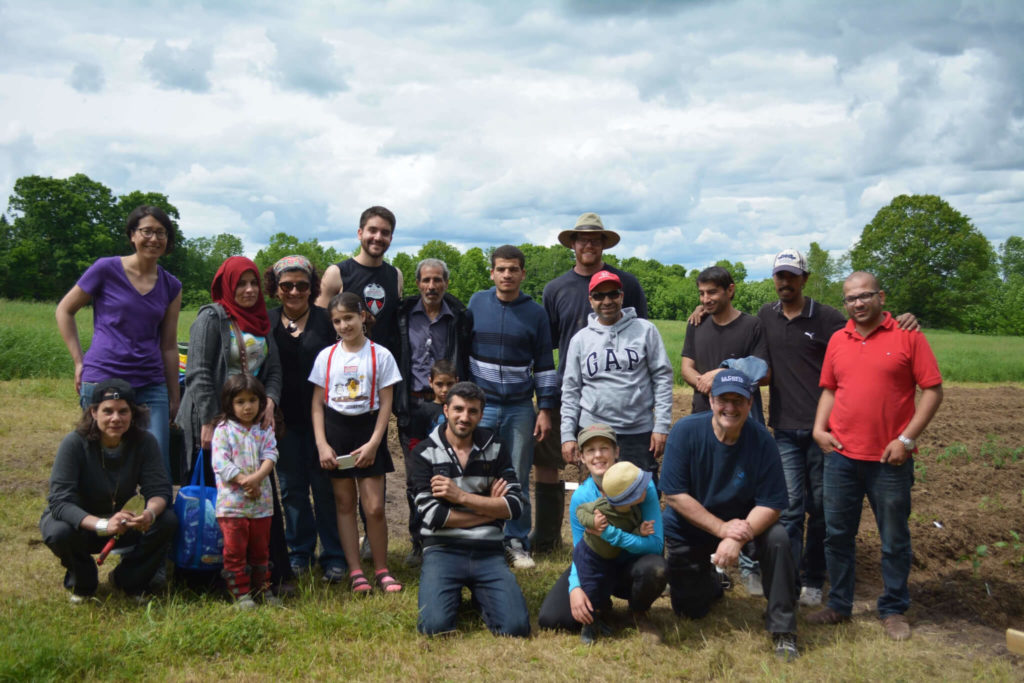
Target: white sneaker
x,y
810,597
245,603
752,582
517,556
77,599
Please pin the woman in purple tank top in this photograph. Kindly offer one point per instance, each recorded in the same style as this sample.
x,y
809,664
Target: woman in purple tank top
x,y
135,322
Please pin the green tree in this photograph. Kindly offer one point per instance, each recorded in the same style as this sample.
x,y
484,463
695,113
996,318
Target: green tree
x,y
471,275
203,256
282,244
750,296
737,270
407,265
928,258
1011,257
822,280
59,227
544,264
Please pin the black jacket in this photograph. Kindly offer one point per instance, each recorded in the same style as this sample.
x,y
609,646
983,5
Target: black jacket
x,y
460,333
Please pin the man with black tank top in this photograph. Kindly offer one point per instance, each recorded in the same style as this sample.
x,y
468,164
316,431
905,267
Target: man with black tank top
x,y
366,274
378,283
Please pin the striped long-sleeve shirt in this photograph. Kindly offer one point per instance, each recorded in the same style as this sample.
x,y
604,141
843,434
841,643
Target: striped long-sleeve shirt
x,y
511,354
488,461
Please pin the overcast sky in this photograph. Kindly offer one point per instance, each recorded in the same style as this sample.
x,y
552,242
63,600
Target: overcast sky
x,y
698,130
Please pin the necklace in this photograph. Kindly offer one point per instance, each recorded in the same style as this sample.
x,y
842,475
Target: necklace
x,y
292,325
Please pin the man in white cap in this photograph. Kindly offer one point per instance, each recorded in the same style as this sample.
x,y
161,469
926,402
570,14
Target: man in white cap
x,y
724,486
567,303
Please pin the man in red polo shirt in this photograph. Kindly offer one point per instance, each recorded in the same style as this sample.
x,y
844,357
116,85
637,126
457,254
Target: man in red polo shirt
x,y
866,424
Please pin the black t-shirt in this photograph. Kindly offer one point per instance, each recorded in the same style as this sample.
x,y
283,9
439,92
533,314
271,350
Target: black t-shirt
x,y
708,344
378,285
796,350
729,481
567,303
297,356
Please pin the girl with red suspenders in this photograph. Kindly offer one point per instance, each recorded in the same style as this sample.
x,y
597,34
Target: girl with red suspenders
x,y
353,387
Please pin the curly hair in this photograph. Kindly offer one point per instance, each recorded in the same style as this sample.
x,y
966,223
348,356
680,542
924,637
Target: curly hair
x,y
270,282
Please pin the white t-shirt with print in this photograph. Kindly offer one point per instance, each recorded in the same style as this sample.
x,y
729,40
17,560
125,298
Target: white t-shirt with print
x,y
349,386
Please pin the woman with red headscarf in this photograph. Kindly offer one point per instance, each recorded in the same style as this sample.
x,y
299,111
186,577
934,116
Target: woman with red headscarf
x,y
238,312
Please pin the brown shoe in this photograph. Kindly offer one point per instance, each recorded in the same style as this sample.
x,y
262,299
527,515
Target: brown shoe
x,y
827,616
896,627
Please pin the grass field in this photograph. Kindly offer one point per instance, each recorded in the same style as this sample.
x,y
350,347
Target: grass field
x,y
325,633
31,347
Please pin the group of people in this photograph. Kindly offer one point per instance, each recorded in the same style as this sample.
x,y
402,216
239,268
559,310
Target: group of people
x,y
307,390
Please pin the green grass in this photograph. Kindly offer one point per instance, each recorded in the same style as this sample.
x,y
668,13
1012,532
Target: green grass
x,y
31,347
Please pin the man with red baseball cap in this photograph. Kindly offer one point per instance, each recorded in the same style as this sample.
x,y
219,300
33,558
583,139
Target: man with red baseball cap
x,y
617,373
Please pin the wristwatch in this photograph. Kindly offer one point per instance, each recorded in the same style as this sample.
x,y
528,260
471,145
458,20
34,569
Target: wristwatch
x,y
101,527
907,442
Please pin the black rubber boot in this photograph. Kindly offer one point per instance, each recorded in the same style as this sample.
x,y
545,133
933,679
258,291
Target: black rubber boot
x,y
549,504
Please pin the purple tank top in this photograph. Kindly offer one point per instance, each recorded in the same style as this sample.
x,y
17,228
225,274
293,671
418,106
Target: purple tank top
x,y
126,324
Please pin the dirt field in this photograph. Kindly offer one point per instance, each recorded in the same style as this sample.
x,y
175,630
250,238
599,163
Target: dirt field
x,y
975,503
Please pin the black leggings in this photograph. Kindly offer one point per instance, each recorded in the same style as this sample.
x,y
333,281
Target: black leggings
x,y
640,582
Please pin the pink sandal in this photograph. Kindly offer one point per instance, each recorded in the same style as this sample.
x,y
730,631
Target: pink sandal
x,y
386,582
358,583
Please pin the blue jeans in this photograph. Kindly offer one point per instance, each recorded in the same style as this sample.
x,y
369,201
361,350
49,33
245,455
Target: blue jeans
x,y
513,424
888,490
804,467
154,397
298,470
447,570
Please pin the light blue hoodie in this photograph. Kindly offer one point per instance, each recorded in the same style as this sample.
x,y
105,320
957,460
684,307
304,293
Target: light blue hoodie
x,y
618,375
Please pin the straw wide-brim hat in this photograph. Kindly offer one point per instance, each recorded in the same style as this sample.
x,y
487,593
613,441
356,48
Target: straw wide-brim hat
x,y
589,222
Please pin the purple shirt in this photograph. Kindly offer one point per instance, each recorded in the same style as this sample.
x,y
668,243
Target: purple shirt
x,y
126,324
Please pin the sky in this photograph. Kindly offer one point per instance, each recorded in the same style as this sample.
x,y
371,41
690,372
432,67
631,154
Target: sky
x,y
697,130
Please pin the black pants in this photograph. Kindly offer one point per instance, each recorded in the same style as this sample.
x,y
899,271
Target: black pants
x,y
639,581
75,548
695,584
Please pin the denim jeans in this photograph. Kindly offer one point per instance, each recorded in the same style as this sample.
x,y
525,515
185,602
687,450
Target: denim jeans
x,y
299,472
513,424
888,491
804,467
154,397
447,570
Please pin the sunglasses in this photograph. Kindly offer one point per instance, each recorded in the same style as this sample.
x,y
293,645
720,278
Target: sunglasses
x,y
289,286
601,296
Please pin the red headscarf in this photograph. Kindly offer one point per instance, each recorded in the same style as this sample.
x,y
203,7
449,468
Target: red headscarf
x,y
254,319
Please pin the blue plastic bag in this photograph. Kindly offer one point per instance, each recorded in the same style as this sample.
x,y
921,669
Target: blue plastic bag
x,y
198,543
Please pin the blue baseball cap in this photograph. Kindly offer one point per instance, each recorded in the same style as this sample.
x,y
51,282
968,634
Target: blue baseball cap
x,y
730,381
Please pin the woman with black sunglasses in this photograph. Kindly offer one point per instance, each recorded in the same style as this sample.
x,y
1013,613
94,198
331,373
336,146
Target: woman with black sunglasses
x,y
301,329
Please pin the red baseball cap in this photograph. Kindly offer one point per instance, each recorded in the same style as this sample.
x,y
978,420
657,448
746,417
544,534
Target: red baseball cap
x,y
602,276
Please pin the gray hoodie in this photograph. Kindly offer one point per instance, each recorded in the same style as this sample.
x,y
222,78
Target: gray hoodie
x,y
618,375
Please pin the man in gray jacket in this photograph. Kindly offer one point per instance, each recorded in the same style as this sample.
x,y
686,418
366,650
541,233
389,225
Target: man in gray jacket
x,y
617,373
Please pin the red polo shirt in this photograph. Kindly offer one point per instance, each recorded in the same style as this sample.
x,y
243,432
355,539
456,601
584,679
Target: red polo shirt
x,y
874,379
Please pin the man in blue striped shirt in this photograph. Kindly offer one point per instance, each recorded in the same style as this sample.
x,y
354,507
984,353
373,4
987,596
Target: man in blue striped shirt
x,y
511,359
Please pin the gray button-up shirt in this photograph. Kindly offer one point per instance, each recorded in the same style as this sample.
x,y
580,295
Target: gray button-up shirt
x,y
428,342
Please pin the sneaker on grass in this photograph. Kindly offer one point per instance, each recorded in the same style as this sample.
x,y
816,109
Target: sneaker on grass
x,y
785,646
752,582
335,574
517,556
810,597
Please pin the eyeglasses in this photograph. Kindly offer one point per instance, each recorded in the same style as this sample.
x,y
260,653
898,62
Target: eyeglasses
x,y
150,233
302,286
601,296
863,297
590,241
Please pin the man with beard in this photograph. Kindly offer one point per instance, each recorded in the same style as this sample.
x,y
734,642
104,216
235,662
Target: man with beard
x,y
867,425
567,303
378,283
432,326
465,487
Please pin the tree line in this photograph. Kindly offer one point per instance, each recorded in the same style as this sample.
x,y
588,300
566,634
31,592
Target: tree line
x,y
929,257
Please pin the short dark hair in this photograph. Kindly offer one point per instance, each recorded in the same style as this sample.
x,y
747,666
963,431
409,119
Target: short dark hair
x,y
507,251
140,212
88,429
270,282
715,275
379,211
352,303
235,385
467,391
443,367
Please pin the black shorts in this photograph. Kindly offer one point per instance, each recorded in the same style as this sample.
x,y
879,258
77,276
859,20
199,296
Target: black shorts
x,y
345,433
